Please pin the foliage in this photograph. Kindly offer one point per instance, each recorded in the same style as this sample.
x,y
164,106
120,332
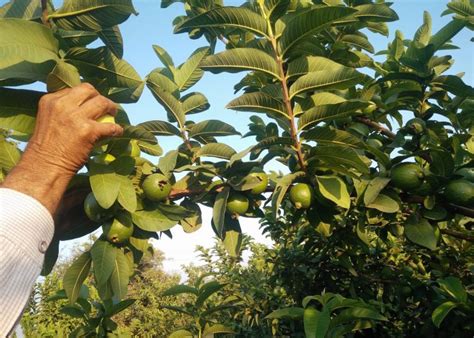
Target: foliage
x,y
352,315
49,314
338,118
247,283
201,311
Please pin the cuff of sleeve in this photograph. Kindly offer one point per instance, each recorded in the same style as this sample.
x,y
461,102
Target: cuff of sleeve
x,y
26,222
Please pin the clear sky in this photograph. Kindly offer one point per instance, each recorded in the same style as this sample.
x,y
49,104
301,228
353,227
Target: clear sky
x,y
154,26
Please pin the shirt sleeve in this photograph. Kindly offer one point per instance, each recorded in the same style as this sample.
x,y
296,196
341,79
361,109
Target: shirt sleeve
x,y
26,230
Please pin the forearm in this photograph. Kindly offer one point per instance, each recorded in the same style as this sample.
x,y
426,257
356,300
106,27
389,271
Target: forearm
x,y
37,178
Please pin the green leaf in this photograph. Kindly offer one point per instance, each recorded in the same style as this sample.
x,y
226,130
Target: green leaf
x,y
126,195
385,204
309,64
119,277
161,77
50,257
219,210
259,102
124,82
193,103
73,311
180,289
150,149
105,184
272,141
334,189
453,84
293,313
187,74
357,41
318,99
174,212
233,242
374,188
453,286
276,8
112,38
461,7
169,102
340,156
219,150
356,312
308,23
136,133
341,78
375,13
423,34
119,307
242,59
92,15
212,128
103,256
421,232
232,17
326,112
18,109
441,312
217,328
316,323
167,163
152,220
164,57
75,276
9,154
378,27
192,223
282,185
21,9
28,50
161,128
77,38
206,291
181,334
63,76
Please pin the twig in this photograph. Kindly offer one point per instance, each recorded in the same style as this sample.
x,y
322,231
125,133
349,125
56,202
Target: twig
x,y
458,234
377,127
44,13
456,208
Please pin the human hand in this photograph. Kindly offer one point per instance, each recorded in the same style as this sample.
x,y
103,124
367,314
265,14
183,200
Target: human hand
x,y
66,127
65,133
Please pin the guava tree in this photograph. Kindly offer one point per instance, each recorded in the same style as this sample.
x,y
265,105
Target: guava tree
x,y
379,153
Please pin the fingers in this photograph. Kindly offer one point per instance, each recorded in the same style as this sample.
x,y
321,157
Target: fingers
x,y
80,94
97,107
107,129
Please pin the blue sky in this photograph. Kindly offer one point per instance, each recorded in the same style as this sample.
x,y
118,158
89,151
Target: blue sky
x,y
154,26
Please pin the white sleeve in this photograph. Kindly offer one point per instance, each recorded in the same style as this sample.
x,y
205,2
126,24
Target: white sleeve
x,y
26,229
